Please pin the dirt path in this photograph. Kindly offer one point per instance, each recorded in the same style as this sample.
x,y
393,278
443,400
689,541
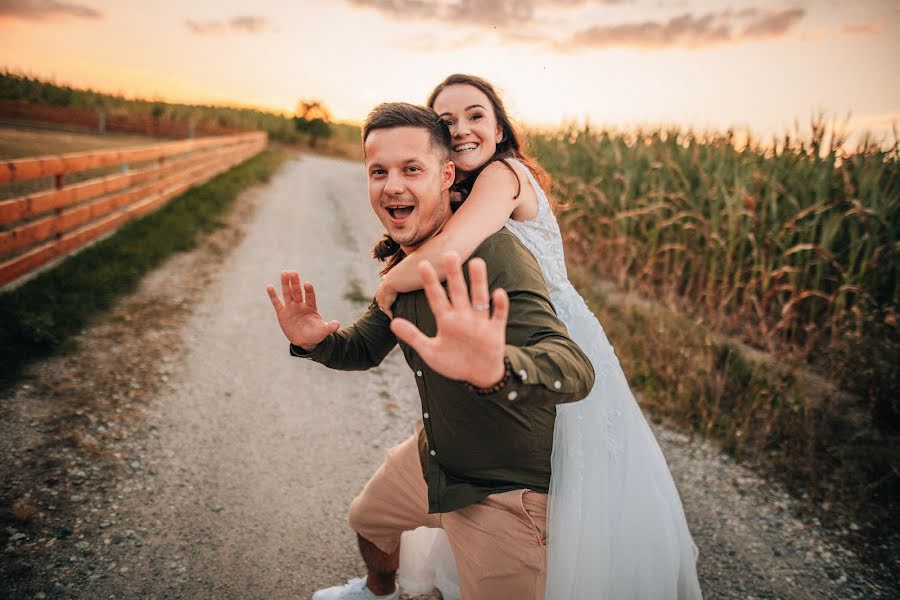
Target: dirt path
x,y
210,464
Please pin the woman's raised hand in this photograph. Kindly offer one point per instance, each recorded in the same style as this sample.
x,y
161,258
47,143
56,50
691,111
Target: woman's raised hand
x,y
385,296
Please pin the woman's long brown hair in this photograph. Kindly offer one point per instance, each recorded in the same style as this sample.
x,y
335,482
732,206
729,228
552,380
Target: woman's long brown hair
x,y
510,144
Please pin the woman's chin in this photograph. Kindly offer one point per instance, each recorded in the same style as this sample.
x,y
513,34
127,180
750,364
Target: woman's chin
x,y
467,164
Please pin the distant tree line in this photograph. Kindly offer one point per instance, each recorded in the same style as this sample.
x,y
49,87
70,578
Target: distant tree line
x,y
312,122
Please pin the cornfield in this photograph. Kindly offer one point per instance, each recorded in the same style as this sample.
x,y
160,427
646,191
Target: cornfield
x,y
794,247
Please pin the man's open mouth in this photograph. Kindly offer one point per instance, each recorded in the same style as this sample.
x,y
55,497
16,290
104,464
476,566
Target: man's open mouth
x,y
465,147
399,212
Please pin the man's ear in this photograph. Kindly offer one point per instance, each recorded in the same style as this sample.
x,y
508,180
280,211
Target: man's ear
x,y
448,174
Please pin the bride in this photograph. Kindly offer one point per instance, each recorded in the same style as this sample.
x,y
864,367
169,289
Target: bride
x,y
615,521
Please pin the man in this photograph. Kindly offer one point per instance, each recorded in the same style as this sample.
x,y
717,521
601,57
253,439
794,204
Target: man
x,y
479,466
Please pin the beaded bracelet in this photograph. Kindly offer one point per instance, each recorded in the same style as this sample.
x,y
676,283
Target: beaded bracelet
x,y
507,376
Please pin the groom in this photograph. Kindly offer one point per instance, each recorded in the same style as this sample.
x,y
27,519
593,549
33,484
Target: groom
x,y
479,465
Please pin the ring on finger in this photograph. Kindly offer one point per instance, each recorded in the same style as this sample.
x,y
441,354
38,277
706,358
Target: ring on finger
x,y
480,307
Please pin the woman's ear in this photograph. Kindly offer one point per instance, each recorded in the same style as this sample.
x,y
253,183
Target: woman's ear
x,y
448,175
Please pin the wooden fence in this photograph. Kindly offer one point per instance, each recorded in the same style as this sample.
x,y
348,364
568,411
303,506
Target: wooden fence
x,y
39,227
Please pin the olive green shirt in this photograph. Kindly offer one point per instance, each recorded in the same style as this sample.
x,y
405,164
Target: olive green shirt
x,y
474,445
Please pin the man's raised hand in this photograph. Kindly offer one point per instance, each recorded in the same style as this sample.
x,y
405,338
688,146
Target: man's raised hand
x,y
470,343
298,315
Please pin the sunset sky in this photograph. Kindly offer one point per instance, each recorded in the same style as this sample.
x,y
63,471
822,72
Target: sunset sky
x,y
614,62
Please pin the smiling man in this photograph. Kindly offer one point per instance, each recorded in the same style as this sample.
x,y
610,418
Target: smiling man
x,y
479,464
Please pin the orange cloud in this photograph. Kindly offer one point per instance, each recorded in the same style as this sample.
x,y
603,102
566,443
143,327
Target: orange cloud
x,y
865,29
243,24
41,10
691,31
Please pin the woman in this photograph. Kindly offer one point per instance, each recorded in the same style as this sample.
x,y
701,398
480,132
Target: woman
x,y
616,525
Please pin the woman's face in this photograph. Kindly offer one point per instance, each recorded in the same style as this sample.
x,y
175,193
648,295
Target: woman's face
x,y
470,115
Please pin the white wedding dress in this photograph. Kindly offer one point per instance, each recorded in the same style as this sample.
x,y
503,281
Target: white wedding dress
x,y
616,527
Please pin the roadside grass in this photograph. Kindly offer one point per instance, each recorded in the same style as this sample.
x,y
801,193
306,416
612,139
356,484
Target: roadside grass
x,y
792,426
40,316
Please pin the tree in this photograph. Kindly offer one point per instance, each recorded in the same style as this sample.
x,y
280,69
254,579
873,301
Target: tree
x,y
313,120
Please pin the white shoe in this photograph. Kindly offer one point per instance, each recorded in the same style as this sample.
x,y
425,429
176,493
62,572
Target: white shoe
x,y
355,589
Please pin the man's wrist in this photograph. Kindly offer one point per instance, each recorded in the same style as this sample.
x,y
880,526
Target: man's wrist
x,y
298,350
505,377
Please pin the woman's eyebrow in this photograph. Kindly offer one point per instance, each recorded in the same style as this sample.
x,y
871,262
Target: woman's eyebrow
x,y
447,112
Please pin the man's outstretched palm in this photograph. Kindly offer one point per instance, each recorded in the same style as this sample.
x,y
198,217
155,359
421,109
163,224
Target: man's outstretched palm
x,y
298,315
470,343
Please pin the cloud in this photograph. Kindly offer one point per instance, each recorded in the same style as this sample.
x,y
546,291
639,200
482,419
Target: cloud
x,y
865,29
688,30
242,24
40,10
485,13
773,24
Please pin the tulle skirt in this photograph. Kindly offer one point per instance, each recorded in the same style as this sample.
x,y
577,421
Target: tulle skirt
x,y
616,526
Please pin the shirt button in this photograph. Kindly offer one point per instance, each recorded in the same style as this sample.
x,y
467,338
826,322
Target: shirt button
x,y
512,395
557,384
523,375
418,373
433,452
425,415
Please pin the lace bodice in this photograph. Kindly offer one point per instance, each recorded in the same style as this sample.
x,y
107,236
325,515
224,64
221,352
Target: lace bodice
x,y
541,235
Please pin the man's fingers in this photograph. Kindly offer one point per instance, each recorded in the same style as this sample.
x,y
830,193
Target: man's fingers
x,y
409,333
501,308
296,290
286,286
333,326
310,295
437,299
456,283
273,296
481,299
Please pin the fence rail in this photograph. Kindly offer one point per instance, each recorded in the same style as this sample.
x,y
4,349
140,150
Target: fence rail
x,y
39,227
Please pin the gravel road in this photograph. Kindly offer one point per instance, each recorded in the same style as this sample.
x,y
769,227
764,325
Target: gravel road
x,y
232,473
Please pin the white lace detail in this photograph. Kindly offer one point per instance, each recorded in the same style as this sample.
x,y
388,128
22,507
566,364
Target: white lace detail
x,y
541,235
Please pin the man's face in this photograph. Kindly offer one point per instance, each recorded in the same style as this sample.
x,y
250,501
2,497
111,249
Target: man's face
x,y
408,183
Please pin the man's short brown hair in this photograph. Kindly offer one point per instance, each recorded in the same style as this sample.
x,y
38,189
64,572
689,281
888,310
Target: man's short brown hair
x,y
389,115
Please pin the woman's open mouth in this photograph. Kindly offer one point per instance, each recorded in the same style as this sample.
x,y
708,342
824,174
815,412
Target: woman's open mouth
x,y
465,147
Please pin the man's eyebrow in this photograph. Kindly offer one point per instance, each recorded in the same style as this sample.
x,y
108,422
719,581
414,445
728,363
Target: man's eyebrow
x,y
467,108
406,161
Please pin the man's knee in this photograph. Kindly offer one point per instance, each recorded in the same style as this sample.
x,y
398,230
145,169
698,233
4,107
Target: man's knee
x,y
358,513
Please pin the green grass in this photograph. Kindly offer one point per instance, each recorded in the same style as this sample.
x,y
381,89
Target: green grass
x,y
41,315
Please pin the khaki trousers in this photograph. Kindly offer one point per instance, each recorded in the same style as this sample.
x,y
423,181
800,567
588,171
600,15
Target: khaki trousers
x,y
499,543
